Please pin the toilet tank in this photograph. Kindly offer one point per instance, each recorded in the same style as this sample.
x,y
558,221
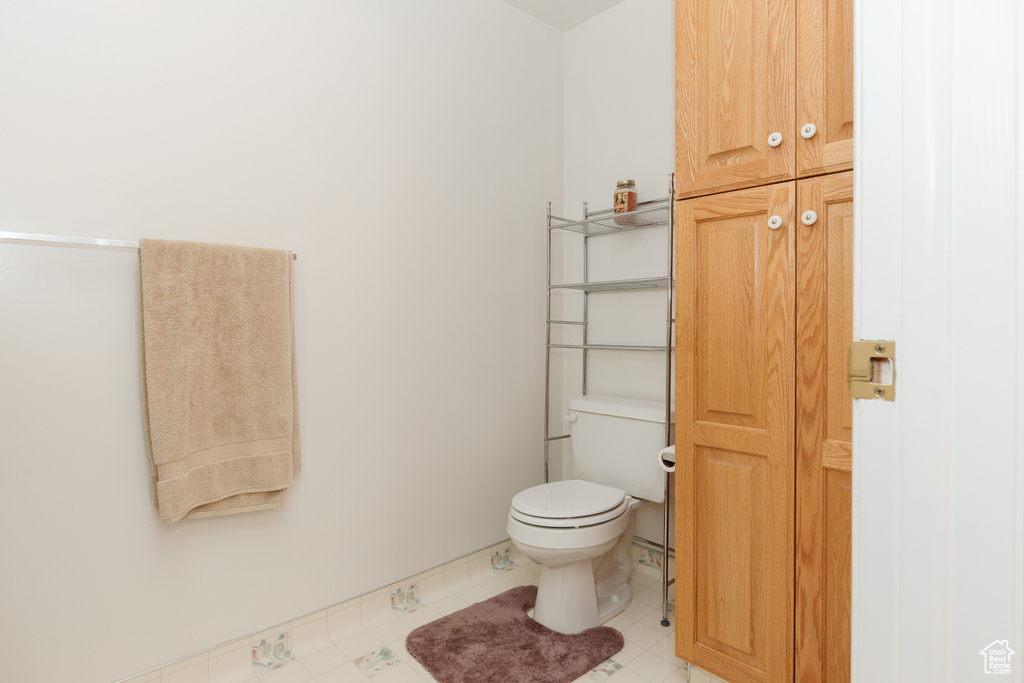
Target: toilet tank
x,y
615,442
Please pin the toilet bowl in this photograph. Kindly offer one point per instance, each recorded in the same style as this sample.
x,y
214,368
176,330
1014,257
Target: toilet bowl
x,y
579,533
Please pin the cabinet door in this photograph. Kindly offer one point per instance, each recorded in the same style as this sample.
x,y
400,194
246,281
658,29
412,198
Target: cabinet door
x,y
824,85
734,423
734,88
824,421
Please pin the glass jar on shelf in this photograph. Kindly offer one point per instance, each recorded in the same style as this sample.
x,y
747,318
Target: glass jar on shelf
x,y
625,201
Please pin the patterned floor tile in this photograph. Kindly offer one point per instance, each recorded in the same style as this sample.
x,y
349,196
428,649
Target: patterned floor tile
x,y
363,639
500,561
272,653
377,661
360,646
602,671
404,600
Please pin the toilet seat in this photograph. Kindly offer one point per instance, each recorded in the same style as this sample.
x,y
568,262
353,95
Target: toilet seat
x,y
571,522
559,501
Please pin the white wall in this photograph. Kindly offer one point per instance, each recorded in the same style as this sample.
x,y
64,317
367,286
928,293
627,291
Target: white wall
x,y
405,151
619,123
938,564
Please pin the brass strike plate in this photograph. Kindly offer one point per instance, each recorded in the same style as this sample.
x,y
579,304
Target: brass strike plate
x,y
871,369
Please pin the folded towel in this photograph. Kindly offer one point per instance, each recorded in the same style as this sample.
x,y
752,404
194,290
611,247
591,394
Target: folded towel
x,y
218,377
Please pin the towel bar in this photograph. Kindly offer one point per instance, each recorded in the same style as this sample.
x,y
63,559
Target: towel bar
x,y
57,240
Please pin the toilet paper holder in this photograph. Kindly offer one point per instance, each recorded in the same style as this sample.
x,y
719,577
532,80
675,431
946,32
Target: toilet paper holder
x,y
667,458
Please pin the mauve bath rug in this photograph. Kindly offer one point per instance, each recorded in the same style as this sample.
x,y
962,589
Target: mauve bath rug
x,y
494,641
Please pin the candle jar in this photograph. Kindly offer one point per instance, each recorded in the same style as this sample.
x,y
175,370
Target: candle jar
x,y
625,201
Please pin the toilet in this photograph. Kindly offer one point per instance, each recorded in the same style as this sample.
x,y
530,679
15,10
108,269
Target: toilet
x,y
579,530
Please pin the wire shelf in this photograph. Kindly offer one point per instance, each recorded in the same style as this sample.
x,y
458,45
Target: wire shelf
x,y
616,285
607,222
609,347
649,214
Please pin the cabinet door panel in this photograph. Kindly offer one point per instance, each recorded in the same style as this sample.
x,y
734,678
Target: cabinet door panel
x,y
734,415
824,416
734,88
731,552
824,87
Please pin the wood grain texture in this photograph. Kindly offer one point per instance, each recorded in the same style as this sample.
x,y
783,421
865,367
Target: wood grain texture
x,y
734,88
823,436
731,437
734,474
824,85
837,455
730,588
837,572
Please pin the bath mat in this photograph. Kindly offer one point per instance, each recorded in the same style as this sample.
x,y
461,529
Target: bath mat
x,y
494,641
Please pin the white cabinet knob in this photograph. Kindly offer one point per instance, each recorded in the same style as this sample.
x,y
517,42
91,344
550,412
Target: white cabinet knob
x,y
775,222
571,418
809,218
808,130
775,139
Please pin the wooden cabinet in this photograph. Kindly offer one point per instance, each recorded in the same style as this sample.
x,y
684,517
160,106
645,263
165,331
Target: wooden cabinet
x,y
824,85
734,85
735,297
764,134
750,76
824,417
763,431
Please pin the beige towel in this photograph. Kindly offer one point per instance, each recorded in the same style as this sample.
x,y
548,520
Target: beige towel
x,y
218,377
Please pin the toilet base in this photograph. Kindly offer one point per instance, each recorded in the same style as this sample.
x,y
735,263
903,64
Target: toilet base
x,y
568,601
586,588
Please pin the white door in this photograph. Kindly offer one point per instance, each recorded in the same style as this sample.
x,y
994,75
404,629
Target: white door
x,y
938,557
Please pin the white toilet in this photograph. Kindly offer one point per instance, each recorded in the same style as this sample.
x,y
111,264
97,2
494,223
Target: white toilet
x,y
580,530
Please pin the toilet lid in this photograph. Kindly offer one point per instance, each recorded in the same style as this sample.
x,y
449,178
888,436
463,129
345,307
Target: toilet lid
x,y
567,499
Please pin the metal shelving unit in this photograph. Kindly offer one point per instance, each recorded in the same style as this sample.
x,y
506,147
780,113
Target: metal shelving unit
x,y
655,213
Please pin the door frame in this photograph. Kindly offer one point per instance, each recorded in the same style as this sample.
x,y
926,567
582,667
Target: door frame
x,y
938,511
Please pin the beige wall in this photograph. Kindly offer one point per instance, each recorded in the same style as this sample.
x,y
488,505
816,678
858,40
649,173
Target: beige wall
x,y
404,150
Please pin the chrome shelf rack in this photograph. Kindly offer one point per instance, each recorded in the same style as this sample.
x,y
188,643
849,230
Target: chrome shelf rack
x,y
655,213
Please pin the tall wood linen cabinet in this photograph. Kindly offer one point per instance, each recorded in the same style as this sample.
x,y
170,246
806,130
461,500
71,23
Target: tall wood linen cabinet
x,y
764,142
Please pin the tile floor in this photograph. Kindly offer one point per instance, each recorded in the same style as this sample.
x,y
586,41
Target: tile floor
x,y
363,640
